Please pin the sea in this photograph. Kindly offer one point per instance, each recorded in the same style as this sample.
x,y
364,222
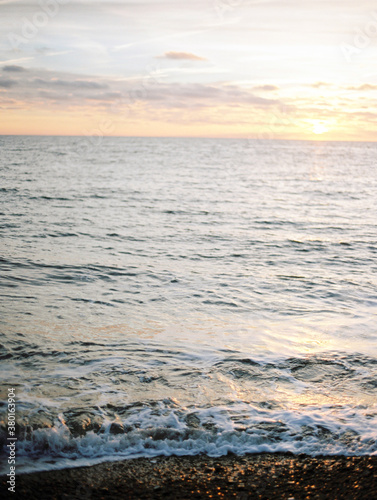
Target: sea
x,y
177,296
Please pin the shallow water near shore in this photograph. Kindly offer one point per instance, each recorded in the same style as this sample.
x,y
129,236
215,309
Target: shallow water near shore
x,y
186,296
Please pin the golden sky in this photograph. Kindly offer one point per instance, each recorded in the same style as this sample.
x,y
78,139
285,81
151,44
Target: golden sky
x,y
292,69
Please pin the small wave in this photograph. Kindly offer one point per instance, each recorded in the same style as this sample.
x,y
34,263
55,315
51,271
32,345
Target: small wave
x,y
165,428
63,235
50,198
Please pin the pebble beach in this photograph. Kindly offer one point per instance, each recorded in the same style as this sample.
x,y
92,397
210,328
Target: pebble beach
x,y
262,476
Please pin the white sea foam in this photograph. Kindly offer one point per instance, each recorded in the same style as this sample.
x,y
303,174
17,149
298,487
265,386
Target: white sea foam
x,y
216,431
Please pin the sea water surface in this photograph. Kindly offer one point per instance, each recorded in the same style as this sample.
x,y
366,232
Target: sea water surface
x,y
186,296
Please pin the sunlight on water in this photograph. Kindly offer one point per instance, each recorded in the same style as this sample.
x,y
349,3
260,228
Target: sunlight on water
x,y
175,296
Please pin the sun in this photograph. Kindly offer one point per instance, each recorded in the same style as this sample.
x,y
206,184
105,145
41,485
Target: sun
x,y
319,128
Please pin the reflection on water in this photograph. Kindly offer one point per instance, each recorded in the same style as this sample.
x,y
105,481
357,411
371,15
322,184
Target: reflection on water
x,y
183,296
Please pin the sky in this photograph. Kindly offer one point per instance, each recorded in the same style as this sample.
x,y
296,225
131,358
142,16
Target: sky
x,y
265,69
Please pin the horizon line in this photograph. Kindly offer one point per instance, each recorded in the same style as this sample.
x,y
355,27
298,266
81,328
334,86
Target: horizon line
x,y
187,137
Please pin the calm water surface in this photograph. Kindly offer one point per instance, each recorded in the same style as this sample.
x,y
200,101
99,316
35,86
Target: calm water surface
x,y
180,296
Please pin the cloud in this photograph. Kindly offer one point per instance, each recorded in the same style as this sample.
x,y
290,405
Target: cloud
x,y
80,84
106,96
7,83
95,91
195,95
71,84
365,86
55,96
319,85
12,68
182,56
267,88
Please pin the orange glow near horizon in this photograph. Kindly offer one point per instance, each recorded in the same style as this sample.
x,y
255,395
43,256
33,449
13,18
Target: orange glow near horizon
x,y
85,122
226,70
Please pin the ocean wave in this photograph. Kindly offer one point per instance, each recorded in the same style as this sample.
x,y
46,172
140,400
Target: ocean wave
x,y
164,428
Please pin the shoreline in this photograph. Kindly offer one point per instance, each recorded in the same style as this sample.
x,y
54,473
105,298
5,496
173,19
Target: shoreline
x,y
258,476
